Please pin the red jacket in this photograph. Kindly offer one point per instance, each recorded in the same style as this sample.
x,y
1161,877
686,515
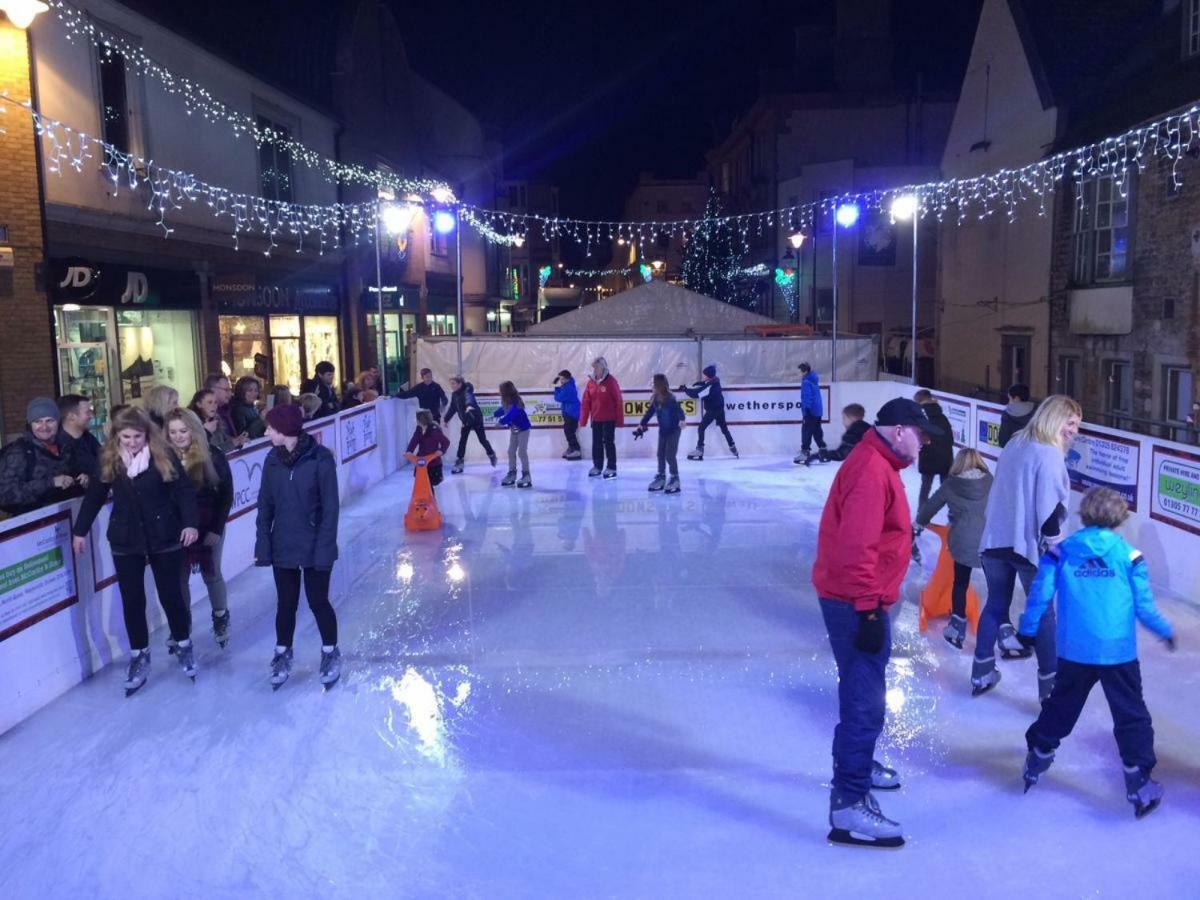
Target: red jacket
x,y
602,402
865,540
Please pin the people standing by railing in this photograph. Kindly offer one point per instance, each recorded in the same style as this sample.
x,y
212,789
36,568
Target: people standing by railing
x,y
75,436
35,470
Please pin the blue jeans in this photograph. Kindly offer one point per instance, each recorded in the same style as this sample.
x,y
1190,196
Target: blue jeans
x,y
861,701
1002,568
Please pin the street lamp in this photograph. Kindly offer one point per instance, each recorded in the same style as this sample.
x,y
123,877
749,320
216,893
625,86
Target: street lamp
x,y
445,221
796,240
846,216
392,219
906,207
22,12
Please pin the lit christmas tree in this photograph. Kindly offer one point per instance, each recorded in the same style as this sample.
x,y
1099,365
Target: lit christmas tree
x,y
712,260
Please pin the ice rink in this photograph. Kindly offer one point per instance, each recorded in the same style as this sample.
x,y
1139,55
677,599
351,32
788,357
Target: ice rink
x,y
580,690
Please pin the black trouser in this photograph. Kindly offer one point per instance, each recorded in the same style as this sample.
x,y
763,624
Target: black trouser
x,y
604,441
316,588
711,416
571,430
810,430
668,452
927,485
475,426
131,575
1122,686
958,593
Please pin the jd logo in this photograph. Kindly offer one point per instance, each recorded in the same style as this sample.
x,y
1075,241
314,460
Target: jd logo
x,y
81,279
137,288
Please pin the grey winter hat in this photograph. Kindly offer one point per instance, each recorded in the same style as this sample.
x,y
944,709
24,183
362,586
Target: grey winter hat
x,y
41,408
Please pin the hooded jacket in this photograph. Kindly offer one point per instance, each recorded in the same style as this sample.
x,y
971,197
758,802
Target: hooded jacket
x,y
966,495
464,405
602,401
710,393
298,508
566,395
1015,417
1103,589
865,539
938,455
811,403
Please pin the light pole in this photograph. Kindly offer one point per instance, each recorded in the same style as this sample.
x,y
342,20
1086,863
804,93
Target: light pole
x,y
390,219
795,242
458,323
903,208
846,217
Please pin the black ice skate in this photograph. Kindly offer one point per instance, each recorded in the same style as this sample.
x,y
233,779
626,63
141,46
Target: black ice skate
x,y
457,468
956,631
331,667
595,472
135,676
510,479
984,681
610,473
733,450
525,481
492,459
1037,764
696,454
658,483
1010,647
672,485
185,655
172,644
864,825
221,629
281,667
883,778
1143,792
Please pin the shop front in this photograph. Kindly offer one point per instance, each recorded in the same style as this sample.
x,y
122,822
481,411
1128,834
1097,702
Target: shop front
x,y
399,326
121,330
277,331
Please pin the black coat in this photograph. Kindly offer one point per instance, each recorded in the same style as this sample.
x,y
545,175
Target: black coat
x,y
325,393
148,513
27,473
83,453
215,500
298,508
464,405
246,419
710,393
938,455
429,396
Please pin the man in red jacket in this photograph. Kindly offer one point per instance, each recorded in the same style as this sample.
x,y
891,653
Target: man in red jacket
x,y
863,550
603,404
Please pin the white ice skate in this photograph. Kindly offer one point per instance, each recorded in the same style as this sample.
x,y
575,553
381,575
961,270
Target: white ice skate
x,y
864,825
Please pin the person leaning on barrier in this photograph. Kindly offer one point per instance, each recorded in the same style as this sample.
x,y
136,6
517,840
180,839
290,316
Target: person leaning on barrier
x,y
74,438
34,469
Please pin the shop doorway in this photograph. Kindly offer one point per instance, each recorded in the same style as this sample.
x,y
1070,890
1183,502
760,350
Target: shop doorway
x,y
86,340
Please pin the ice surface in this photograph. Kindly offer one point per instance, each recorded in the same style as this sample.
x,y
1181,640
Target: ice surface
x,y
579,691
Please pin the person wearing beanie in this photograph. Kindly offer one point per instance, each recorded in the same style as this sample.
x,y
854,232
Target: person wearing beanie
x,y
708,391
297,536
566,395
34,469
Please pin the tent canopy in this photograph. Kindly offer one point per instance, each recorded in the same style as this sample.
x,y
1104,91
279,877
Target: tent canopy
x,y
653,309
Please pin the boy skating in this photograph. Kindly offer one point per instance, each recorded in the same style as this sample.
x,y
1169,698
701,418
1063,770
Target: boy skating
x,y
708,391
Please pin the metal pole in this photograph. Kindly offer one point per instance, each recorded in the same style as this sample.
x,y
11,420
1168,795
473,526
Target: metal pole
x,y
913,344
380,348
833,372
458,327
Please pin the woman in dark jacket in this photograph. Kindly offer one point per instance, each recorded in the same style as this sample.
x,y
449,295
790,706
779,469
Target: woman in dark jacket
x,y
938,455
153,518
297,535
209,471
246,419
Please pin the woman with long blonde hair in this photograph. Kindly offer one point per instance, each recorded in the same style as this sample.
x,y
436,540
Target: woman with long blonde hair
x,y
153,519
1025,513
160,400
209,471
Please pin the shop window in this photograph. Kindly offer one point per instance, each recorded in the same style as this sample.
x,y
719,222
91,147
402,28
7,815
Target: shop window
x,y
275,178
285,351
440,325
156,347
439,243
243,345
1177,393
321,345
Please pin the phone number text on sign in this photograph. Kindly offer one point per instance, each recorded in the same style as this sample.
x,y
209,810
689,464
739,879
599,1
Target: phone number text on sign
x,y
1175,488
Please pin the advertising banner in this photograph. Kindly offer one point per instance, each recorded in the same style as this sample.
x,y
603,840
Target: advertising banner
x,y
104,570
37,575
246,466
1103,460
959,414
987,431
1175,488
358,434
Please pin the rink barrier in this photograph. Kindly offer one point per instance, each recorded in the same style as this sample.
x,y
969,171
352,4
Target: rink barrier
x,y
60,615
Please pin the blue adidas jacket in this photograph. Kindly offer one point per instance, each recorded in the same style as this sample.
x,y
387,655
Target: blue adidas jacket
x,y
810,396
1103,588
567,396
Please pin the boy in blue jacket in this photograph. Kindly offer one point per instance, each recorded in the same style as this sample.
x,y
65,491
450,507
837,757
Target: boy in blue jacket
x,y
708,390
1103,590
567,397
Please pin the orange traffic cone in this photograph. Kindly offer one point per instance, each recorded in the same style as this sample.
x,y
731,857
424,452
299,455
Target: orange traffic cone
x,y
423,513
935,597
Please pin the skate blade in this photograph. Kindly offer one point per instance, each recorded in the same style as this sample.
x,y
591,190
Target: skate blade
x,y
1015,654
1028,785
849,839
958,645
886,787
130,691
1140,811
979,691
329,684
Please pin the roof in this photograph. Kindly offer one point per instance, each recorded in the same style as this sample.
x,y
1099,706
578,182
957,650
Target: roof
x,y
654,309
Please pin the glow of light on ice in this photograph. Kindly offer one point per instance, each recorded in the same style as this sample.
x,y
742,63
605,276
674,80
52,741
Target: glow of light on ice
x,y
404,572
423,702
895,699
456,573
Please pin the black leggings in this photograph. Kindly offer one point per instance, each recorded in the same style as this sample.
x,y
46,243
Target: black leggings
x,y
316,588
710,417
475,427
958,594
604,441
131,575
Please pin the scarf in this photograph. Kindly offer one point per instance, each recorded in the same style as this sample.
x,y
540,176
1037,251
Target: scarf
x,y
290,457
137,463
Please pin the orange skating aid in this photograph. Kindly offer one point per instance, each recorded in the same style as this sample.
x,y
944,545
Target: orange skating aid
x,y
935,596
423,513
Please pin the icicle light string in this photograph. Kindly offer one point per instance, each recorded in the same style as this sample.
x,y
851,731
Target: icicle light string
x,y
198,100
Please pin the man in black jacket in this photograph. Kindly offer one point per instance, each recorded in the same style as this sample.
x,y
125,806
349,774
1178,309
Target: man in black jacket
x,y
322,386
854,421
1017,414
34,470
708,390
937,456
428,392
74,438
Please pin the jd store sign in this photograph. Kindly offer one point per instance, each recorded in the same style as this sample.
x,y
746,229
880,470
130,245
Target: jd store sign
x,y
81,281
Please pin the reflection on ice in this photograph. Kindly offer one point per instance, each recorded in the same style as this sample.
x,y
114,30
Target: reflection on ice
x,y
424,705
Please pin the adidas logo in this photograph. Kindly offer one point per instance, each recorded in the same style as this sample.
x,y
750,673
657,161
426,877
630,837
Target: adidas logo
x,y
1094,568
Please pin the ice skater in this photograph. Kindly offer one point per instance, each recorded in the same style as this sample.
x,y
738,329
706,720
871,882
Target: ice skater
x,y
428,393
854,427
1025,511
862,557
1103,590
937,456
708,391
605,408
669,413
812,411
965,491
512,415
209,471
427,446
466,407
297,536
566,395
154,518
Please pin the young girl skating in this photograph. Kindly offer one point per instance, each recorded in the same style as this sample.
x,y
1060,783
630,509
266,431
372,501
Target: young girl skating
x,y
670,416
427,446
512,414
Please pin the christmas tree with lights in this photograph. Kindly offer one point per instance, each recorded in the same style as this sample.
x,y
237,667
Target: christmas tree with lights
x,y
712,259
